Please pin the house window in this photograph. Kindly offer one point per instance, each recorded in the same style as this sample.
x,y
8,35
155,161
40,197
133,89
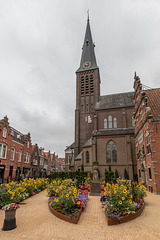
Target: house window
x,y
27,157
133,121
87,157
150,174
111,152
3,150
4,132
28,144
148,144
35,154
35,162
19,155
110,121
41,161
105,123
12,153
115,122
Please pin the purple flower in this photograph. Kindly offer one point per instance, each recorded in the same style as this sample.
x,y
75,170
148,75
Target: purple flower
x,y
137,205
51,198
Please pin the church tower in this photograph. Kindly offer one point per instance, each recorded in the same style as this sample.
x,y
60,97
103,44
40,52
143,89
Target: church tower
x,y
87,92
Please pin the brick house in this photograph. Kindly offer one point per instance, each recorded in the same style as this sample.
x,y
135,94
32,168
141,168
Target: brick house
x,y
147,135
15,152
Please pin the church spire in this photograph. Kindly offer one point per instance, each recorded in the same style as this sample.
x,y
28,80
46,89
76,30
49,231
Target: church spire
x,y
88,59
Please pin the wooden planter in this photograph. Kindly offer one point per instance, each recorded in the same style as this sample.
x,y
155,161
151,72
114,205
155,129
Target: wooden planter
x,y
63,217
125,218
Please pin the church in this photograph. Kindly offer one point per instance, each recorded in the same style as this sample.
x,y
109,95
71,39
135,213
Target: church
x,y
104,125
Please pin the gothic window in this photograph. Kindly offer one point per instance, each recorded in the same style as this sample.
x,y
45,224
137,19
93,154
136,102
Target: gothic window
x,y
4,132
110,121
3,150
82,108
19,155
82,85
87,157
105,123
91,84
87,85
111,152
12,153
115,122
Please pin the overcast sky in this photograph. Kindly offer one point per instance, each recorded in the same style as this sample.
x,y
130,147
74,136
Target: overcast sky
x,y
40,50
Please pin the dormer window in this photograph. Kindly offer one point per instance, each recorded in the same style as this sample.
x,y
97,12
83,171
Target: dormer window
x,y
4,132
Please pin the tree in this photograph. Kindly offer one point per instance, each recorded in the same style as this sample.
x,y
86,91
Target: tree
x,y
126,176
116,174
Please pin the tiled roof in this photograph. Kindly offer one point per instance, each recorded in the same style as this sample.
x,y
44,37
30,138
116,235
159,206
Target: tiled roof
x,y
153,99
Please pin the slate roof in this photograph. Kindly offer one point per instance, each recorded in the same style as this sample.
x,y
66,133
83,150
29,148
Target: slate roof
x,y
118,100
153,99
70,147
79,157
88,50
88,143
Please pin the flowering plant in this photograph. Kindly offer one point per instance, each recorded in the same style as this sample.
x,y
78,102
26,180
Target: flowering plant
x,y
122,198
10,206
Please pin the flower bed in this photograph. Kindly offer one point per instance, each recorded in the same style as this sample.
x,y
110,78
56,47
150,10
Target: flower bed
x,y
65,201
17,192
123,201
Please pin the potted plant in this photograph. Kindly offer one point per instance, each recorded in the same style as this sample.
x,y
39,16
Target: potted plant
x,y
10,220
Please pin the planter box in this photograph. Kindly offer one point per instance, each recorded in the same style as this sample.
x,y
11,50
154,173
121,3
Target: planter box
x,y
10,220
64,217
125,218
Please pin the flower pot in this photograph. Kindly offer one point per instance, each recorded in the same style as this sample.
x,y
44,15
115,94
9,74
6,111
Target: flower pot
x,y
125,218
10,220
64,217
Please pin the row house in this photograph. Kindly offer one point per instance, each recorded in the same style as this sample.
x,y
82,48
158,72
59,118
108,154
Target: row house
x,y
69,157
40,162
61,164
15,152
147,135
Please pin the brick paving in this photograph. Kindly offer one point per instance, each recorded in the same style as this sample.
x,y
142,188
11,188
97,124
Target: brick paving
x,y
36,222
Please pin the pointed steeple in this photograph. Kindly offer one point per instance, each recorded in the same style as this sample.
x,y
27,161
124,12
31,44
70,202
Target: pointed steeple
x,y
88,59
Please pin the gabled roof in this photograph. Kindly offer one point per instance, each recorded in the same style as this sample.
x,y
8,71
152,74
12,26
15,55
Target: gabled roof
x,y
118,100
70,147
153,99
88,54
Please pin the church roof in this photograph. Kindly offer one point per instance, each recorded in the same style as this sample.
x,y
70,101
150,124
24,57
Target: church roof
x,y
116,101
79,157
88,54
88,143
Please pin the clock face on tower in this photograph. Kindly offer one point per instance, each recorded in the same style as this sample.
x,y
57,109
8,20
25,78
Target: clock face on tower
x,y
87,64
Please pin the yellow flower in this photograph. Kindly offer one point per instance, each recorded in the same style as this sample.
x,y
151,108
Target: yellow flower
x,y
120,202
123,198
78,202
124,191
67,195
130,201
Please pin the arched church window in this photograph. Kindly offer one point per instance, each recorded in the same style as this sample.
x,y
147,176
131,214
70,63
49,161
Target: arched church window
x,y
91,84
87,85
110,121
115,122
111,152
82,85
105,123
87,157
